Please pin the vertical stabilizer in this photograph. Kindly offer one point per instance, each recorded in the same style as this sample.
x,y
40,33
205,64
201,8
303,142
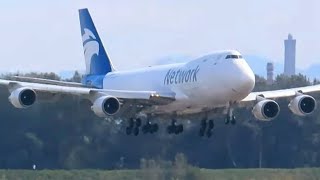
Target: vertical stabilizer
x,y
97,60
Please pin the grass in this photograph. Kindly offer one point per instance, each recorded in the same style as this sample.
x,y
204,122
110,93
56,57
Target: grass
x,y
194,173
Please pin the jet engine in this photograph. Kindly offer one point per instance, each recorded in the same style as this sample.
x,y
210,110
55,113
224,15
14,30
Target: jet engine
x,y
302,105
266,110
22,97
106,106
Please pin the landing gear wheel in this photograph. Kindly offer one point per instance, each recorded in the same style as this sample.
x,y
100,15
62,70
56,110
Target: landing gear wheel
x,y
233,120
204,123
226,120
174,128
170,129
145,129
210,124
154,128
128,130
136,131
178,129
201,132
209,133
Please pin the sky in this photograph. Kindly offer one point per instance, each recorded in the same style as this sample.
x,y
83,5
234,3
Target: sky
x,y
45,35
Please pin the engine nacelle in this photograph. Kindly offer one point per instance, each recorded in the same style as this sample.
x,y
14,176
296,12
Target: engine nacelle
x,y
22,97
106,106
266,110
302,105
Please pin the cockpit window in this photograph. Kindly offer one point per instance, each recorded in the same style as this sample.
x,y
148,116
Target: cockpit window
x,y
232,56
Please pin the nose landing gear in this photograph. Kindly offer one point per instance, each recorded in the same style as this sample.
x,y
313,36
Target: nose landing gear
x,y
230,117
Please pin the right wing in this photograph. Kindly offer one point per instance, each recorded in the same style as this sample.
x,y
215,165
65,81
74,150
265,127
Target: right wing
x,y
301,101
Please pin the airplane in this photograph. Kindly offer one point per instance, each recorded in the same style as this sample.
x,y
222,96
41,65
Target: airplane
x,y
211,84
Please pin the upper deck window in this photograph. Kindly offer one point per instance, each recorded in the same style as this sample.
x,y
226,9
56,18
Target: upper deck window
x,y
233,56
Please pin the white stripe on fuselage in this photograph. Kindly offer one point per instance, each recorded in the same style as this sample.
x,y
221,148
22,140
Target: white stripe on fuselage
x,y
207,82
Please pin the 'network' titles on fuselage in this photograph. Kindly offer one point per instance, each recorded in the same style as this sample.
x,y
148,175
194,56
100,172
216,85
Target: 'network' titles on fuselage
x,y
181,76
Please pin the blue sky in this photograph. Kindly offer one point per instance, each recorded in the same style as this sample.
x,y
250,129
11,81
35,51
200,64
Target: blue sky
x,y
45,35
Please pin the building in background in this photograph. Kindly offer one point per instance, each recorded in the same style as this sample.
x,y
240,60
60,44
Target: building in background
x,y
289,56
270,70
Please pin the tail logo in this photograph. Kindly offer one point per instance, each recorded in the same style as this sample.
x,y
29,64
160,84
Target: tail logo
x,y
91,47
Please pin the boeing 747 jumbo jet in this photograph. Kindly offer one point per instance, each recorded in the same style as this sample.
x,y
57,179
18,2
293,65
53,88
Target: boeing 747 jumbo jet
x,y
212,84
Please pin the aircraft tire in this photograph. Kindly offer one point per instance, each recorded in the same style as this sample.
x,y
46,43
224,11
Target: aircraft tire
x,y
227,120
209,133
154,128
233,120
128,131
170,129
145,129
136,131
210,124
201,132
180,128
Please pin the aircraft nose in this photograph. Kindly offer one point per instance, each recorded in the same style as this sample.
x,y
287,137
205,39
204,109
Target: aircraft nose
x,y
246,80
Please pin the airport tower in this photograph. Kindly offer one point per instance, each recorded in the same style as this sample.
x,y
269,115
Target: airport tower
x,y
270,73
289,56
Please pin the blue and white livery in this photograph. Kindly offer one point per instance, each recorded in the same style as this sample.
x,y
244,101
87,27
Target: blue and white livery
x,y
201,88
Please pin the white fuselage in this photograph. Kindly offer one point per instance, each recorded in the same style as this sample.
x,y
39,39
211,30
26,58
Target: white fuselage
x,y
207,82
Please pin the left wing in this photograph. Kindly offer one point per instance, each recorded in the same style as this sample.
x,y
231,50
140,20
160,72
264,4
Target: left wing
x,y
266,108
282,93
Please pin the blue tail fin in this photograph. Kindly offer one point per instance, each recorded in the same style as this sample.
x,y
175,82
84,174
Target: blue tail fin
x,y
97,60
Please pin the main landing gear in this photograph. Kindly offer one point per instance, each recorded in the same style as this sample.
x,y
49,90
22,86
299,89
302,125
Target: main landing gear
x,y
135,125
230,117
150,128
206,128
174,128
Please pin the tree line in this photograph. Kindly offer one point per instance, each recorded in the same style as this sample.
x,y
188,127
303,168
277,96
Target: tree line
x,y
66,134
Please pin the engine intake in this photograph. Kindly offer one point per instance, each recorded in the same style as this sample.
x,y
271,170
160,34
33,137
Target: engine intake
x,y
302,105
22,97
266,110
106,106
